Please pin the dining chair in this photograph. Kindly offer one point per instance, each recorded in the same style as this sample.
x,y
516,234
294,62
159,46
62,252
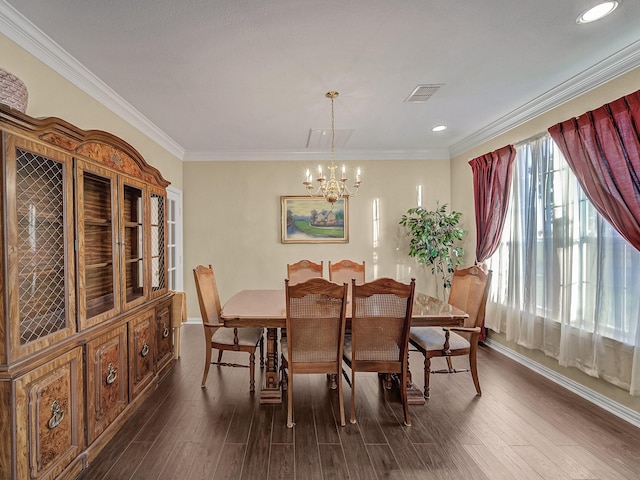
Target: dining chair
x,y
469,291
316,319
346,270
303,270
343,272
219,337
380,322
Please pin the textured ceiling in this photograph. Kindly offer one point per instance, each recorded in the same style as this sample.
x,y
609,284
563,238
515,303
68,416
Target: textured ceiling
x,y
245,79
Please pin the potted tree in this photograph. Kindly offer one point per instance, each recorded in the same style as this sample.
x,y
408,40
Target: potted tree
x,y
435,237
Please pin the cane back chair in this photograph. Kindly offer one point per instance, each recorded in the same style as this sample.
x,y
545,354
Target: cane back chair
x,y
219,337
469,291
316,319
380,322
303,270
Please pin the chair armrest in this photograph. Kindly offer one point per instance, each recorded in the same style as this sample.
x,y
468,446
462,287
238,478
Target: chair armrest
x,y
216,326
446,347
462,329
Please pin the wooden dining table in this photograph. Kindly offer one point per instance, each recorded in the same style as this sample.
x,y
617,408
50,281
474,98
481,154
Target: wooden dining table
x,y
267,309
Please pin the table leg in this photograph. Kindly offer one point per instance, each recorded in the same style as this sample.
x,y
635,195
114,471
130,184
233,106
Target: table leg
x,y
271,392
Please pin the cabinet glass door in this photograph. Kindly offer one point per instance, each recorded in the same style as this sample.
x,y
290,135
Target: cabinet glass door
x,y
97,252
157,251
39,236
132,246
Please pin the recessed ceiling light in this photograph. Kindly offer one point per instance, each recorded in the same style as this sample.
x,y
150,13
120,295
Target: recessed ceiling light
x,y
596,13
439,128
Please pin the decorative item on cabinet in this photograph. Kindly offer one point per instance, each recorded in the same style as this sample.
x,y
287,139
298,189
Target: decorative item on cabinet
x,y
13,91
85,301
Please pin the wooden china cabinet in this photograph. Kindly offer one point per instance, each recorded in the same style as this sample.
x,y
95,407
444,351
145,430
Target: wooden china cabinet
x,y
85,319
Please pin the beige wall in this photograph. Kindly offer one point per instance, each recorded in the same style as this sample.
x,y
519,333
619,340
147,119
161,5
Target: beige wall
x,y
232,220
462,200
50,95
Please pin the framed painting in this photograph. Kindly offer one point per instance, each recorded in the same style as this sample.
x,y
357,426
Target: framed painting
x,y
314,220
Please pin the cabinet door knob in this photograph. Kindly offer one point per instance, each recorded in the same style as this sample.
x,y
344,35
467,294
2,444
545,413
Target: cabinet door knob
x,y
112,374
57,415
165,331
145,349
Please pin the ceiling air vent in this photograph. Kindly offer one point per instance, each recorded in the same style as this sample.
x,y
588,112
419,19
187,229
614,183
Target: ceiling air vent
x,y
422,93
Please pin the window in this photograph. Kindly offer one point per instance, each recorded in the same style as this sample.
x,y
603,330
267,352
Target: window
x,y
559,262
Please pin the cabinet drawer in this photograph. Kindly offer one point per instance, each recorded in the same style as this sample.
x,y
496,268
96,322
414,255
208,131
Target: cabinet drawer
x,y
107,384
49,417
141,352
164,337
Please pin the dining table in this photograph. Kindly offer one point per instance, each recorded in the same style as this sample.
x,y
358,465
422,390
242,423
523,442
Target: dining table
x,y
267,309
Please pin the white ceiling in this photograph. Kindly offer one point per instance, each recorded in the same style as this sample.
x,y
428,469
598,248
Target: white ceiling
x,y
245,79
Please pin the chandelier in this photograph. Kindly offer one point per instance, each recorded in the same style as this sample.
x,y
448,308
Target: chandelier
x,y
332,189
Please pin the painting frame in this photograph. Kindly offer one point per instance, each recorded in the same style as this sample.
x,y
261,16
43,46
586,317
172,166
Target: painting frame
x,y
296,210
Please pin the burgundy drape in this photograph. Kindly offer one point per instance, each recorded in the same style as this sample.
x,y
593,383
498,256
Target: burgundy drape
x,y
492,174
602,147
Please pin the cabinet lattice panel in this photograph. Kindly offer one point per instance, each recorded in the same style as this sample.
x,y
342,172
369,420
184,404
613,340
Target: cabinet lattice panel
x,y
157,242
41,259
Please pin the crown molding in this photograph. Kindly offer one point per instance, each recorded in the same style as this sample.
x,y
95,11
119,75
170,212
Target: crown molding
x,y
613,66
24,33
361,155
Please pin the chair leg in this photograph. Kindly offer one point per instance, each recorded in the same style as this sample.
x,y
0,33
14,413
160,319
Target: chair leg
x,y
427,373
252,372
290,401
353,396
449,364
207,362
473,366
404,398
340,400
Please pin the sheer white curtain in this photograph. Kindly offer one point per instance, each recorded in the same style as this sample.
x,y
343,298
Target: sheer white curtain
x,y
564,281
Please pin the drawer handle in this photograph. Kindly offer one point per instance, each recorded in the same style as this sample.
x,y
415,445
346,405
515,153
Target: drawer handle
x,y
56,415
145,349
165,332
112,374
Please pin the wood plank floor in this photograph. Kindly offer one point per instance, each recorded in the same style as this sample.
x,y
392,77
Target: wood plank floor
x,y
522,427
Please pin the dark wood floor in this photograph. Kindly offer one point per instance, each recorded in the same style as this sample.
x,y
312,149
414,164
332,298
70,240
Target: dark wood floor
x,y
522,427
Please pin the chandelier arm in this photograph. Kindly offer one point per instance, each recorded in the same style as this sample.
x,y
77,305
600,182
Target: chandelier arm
x,y
349,193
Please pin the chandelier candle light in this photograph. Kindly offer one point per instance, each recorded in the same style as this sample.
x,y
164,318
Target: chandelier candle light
x,y
333,189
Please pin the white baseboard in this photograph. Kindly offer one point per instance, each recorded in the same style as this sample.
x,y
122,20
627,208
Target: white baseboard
x,y
601,401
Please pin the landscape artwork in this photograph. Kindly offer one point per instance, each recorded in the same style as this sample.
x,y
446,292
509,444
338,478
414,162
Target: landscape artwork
x,y
314,220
